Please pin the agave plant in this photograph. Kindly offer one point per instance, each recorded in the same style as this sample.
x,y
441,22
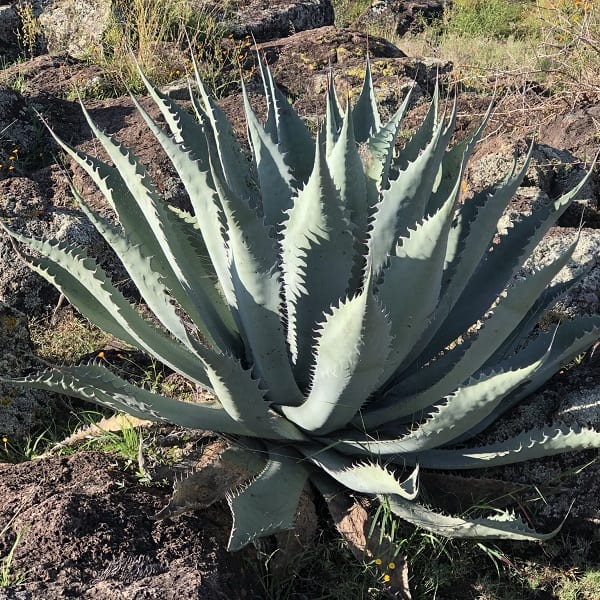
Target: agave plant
x,y
354,320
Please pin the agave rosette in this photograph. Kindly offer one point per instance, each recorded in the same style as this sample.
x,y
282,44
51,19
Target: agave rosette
x,y
326,285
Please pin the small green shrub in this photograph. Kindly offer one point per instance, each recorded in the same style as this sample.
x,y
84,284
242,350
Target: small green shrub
x,y
485,18
569,46
347,11
150,33
29,32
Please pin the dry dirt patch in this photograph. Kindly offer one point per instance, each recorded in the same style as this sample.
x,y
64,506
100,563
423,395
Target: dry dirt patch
x,y
88,532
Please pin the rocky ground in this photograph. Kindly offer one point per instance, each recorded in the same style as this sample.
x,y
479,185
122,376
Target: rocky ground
x,y
86,520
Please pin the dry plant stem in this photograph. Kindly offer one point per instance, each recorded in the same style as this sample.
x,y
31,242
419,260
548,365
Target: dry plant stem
x,y
112,424
365,541
571,44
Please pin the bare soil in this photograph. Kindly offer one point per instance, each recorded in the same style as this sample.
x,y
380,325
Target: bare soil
x,y
88,532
